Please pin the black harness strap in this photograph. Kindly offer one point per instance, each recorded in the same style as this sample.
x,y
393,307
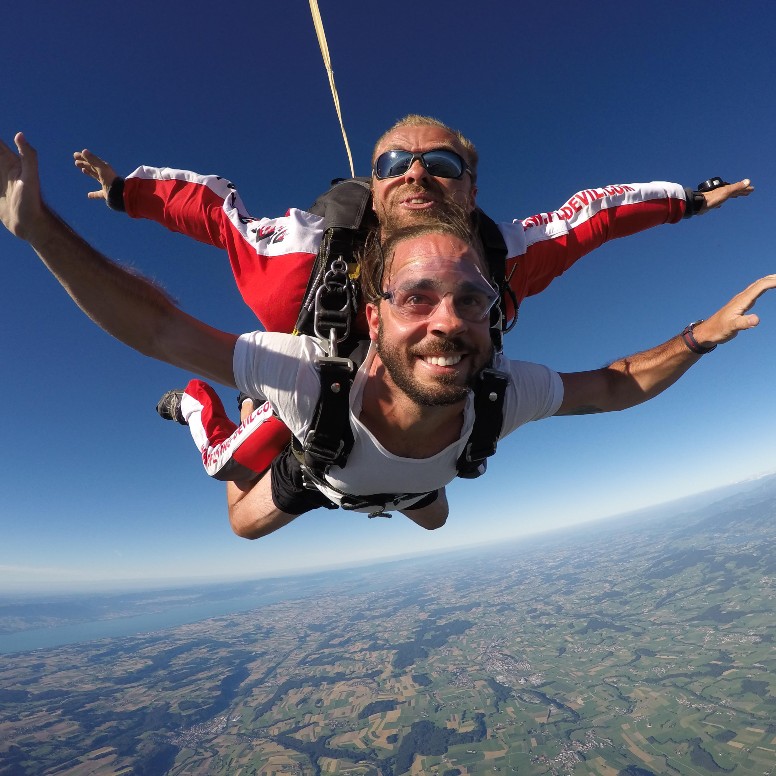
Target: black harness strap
x,y
348,218
376,502
488,421
496,254
494,245
330,438
328,309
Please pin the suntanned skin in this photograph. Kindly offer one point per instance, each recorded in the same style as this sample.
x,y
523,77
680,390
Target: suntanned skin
x,y
403,426
416,195
138,313
411,430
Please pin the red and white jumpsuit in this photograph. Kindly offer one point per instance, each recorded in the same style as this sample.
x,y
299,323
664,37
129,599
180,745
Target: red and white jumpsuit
x,y
272,258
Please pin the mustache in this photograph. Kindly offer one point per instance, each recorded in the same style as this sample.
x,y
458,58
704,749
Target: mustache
x,y
440,346
418,188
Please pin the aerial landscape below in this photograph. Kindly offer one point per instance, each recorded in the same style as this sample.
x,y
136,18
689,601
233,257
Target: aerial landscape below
x,y
629,647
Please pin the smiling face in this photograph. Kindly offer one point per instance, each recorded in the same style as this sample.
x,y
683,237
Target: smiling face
x,y
417,197
432,360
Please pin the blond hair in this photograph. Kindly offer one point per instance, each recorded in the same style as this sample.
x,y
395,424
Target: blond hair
x,y
416,120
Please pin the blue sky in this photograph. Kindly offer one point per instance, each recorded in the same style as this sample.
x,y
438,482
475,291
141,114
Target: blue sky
x,y
96,487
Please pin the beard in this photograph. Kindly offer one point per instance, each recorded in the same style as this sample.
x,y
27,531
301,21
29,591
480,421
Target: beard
x,y
442,392
448,210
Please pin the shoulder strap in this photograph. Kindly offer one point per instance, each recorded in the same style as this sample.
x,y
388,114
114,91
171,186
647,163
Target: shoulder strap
x,y
345,203
489,396
493,242
348,217
330,438
496,254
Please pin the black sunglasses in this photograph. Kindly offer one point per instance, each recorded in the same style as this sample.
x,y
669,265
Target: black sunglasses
x,y
439,162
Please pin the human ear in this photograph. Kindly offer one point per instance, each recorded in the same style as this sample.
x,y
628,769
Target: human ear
x,y
472,198
373,319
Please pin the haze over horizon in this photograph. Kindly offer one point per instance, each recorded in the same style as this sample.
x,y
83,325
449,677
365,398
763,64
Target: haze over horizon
x,y
150,585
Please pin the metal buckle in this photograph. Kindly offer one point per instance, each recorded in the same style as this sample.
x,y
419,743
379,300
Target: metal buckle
x,y
333,324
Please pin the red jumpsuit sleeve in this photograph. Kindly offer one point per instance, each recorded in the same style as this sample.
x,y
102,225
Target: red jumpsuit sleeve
x,y
271,258
181,201
554,241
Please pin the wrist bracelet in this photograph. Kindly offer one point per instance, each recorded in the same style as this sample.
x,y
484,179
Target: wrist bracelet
x,y
691,342
115,198
695,203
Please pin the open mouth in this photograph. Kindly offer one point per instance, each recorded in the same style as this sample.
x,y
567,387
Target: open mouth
x,y
416,202
443,360
417,196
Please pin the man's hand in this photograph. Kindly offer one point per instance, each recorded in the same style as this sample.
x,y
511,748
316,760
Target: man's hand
x,y
725,324
717,197
642,376
20,202
96,168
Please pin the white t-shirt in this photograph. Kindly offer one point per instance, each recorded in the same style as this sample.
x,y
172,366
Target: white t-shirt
x,y
281,368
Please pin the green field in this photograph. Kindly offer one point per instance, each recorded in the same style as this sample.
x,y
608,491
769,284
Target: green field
x,y
631,648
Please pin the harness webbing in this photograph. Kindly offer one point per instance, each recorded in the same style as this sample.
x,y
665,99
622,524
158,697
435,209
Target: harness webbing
x,y
330,303
496,256
377,503
488,419
330,438
347,221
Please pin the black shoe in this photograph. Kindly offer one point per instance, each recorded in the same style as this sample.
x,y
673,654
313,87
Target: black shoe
x,y
169,406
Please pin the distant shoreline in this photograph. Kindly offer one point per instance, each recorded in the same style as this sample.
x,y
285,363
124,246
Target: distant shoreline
x,y
121,626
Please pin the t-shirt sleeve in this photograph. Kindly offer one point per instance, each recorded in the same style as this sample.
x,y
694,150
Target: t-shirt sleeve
x,y
281,369
535,392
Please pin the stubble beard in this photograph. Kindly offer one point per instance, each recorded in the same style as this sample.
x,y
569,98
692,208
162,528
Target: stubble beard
x,y
445,211
443,392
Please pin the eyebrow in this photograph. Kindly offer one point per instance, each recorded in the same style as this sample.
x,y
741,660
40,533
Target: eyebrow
x,y
435,147
464,285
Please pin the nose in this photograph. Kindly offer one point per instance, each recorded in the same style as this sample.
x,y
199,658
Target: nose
x,y
445,319
416,172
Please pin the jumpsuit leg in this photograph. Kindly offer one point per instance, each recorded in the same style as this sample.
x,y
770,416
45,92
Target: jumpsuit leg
x,y
229,451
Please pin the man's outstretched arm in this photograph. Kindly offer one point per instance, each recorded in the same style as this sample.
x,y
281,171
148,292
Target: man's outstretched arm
x,y
557,240
179,200
643,376
123,303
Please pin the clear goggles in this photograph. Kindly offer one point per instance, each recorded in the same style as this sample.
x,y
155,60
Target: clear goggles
x,y
440,162
416,294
